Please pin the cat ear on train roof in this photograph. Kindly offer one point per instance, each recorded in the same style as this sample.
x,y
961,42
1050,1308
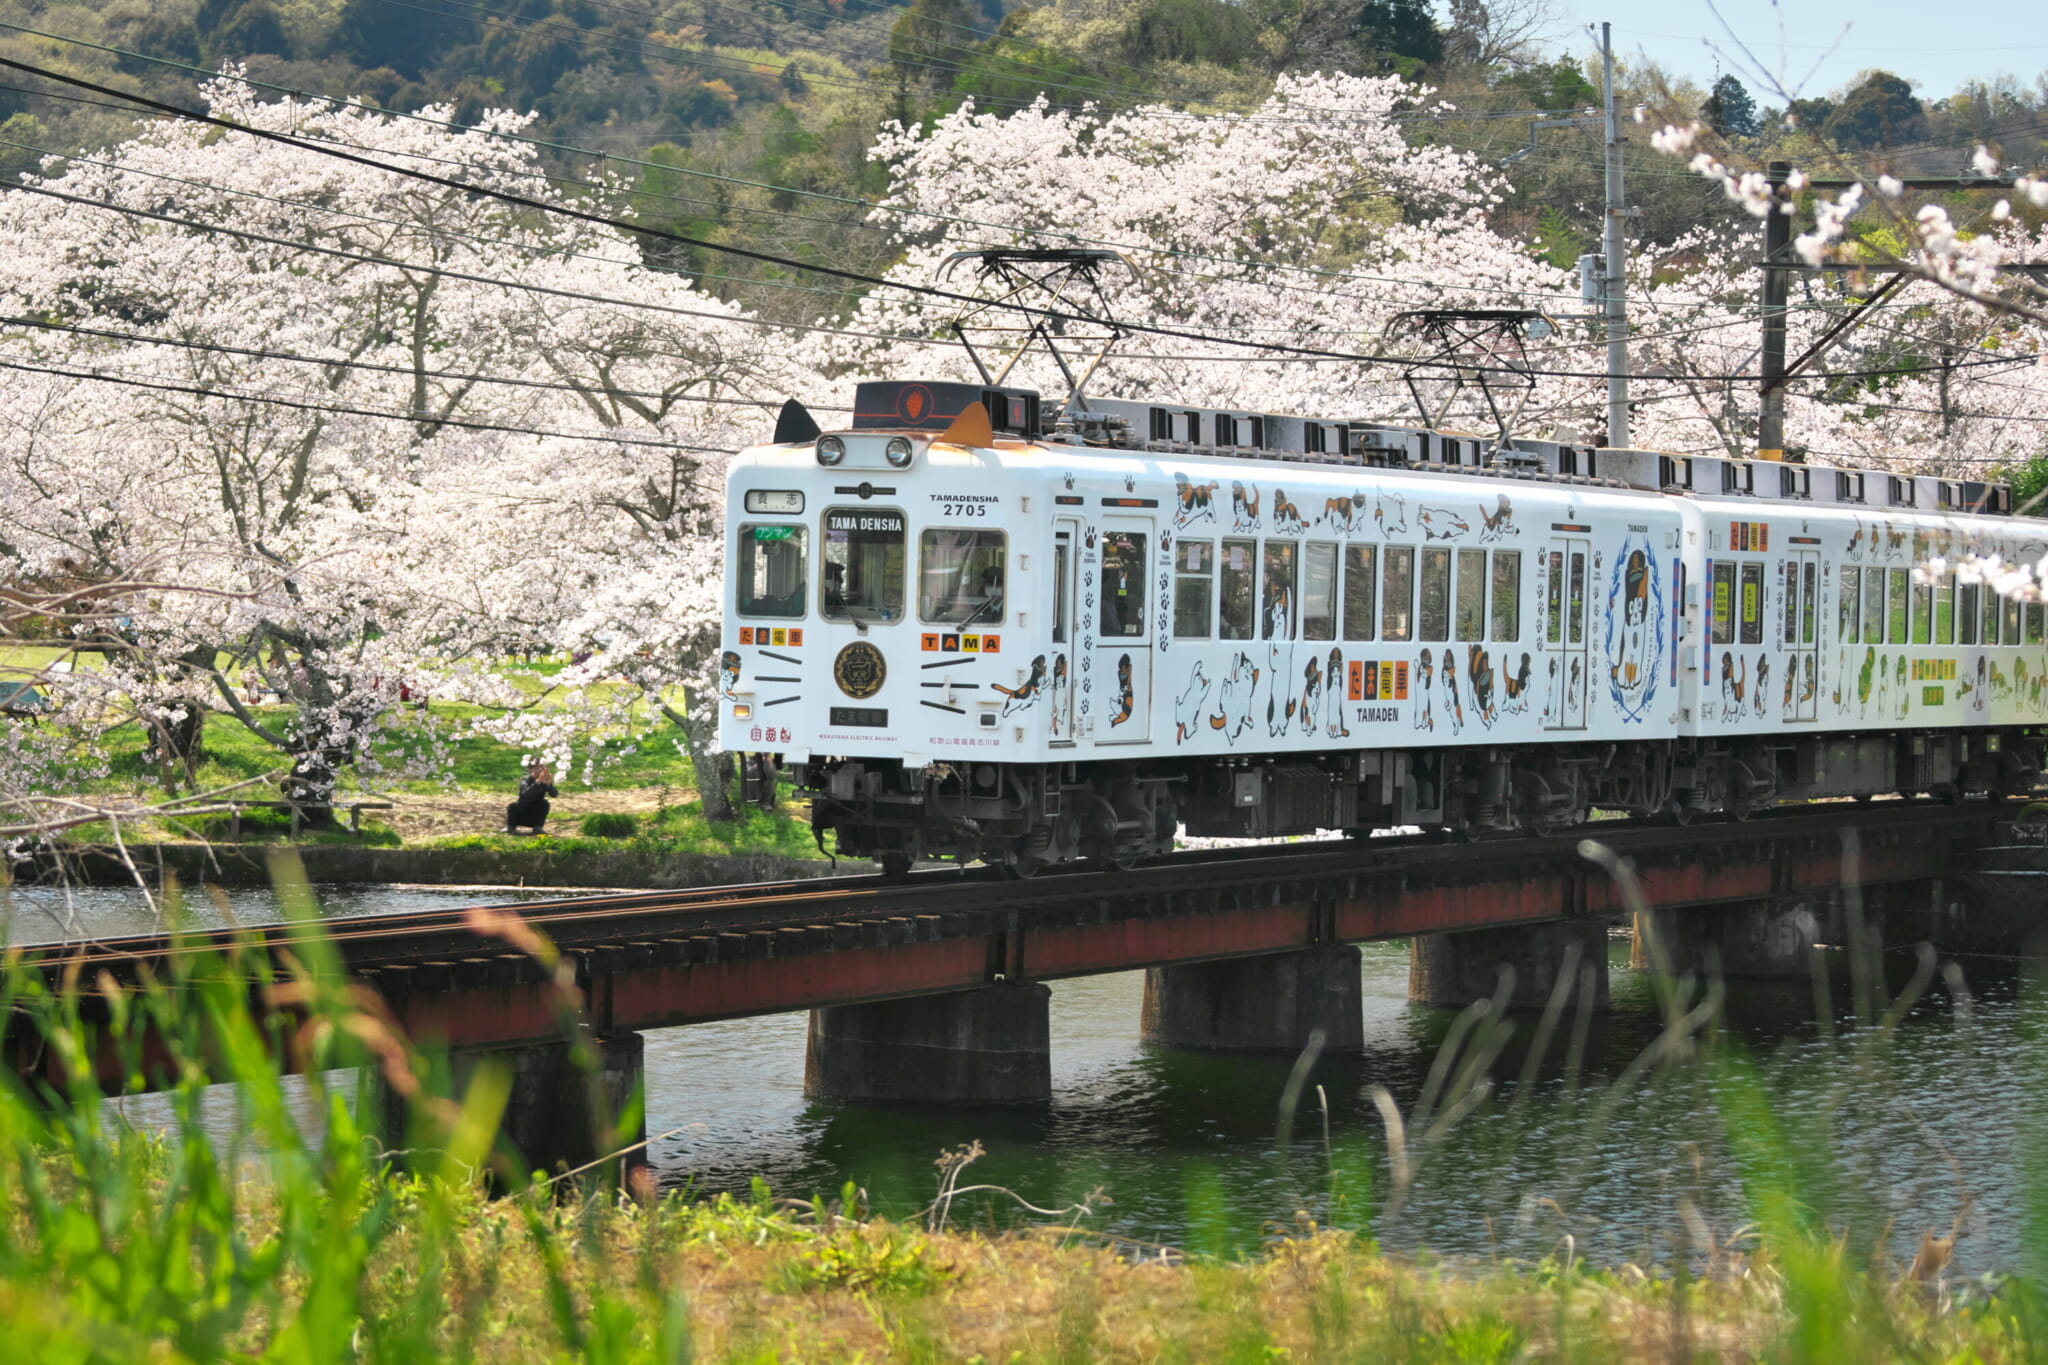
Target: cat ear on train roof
x,y
795,424
970,428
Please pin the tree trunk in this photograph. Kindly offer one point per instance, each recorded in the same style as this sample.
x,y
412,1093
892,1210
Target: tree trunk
x,y
713,770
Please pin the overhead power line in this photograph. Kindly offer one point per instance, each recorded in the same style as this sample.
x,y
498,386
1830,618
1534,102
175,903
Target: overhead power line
x,y
342,153
373,367
346,410
1046,234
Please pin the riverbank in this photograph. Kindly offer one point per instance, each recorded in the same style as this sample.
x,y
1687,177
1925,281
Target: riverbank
x,y
450,1275
496,862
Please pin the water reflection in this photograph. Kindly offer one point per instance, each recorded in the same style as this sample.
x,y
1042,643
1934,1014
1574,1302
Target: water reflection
x,y
1880,1135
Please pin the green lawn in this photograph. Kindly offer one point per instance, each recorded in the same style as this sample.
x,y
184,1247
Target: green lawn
x,y
426,754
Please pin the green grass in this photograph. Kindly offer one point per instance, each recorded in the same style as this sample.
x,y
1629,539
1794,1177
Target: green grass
x,y
670,830
233,754
242,1233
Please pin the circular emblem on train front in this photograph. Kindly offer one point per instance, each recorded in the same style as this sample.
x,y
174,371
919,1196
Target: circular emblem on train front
x,y
913,403
859,670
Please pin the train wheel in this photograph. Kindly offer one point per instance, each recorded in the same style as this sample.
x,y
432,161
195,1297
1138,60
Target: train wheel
x,y
895,864
1679,812
1021,866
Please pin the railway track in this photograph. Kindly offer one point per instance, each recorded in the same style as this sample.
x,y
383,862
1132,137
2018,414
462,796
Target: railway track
x,y
653,923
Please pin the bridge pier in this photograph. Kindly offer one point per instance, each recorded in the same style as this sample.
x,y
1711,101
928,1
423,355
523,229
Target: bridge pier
x,y
1757,940
989,1045
1458,968
1270,1003
558,1117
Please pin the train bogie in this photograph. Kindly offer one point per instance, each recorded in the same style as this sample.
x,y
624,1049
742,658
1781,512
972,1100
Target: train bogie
x,y
968,642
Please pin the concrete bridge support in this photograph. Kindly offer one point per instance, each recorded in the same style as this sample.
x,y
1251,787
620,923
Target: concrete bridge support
x,y
1258,1004
1773,939
990,1045
1458,968
559,1116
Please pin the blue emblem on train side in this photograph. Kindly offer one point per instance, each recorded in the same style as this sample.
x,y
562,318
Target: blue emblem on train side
x,y
1635,630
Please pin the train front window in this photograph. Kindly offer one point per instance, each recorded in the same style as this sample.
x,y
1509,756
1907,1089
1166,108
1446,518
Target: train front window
x,y
771,571
960,576
863,558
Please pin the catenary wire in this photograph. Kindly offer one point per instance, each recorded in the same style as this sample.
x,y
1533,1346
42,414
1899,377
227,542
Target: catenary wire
x,y
373,367
870,205
340,152
344,410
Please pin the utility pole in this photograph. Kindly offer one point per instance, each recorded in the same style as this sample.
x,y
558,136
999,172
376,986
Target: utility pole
x,y
1770,423
1617,259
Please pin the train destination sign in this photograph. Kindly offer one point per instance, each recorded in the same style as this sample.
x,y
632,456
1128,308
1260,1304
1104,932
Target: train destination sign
x,y
874,523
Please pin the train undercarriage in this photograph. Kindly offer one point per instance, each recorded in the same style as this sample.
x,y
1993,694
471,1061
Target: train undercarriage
x,y
1024,817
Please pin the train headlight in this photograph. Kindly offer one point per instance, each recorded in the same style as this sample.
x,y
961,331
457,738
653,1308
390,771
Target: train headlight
x,y
899,452
742,710
831,450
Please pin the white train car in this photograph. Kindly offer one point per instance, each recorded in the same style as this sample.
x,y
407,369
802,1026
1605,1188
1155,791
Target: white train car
x,y
970,640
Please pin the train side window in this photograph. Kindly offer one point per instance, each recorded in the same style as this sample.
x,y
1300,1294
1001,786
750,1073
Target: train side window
x,y
1991,611
1436,595
1873,606
1895,599
960,576
1724,604
1397,594
2012,620
1577,618
1507,596
1471,613
1752,603
1553,599
1194,588
1123,585
1923,613
1789,578
1063,550
1277,606
1319,592
1236,570
771,571
1360,574
1846,604
864,554
2033,623
1945,610
1809,609
1967,613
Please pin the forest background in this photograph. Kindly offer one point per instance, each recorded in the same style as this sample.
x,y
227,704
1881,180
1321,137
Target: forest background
x,y
295,441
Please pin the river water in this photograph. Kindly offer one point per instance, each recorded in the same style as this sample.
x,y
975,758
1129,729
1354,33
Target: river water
x,y
1882,1134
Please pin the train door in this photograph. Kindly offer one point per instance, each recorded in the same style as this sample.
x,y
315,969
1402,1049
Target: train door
x,y
1121,678
1802,634
1065,598
1567,566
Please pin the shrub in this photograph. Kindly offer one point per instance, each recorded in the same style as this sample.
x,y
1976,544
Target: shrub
x,y
611,825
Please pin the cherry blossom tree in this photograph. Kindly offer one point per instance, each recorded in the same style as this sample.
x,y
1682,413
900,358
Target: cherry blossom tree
x,y
390,431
